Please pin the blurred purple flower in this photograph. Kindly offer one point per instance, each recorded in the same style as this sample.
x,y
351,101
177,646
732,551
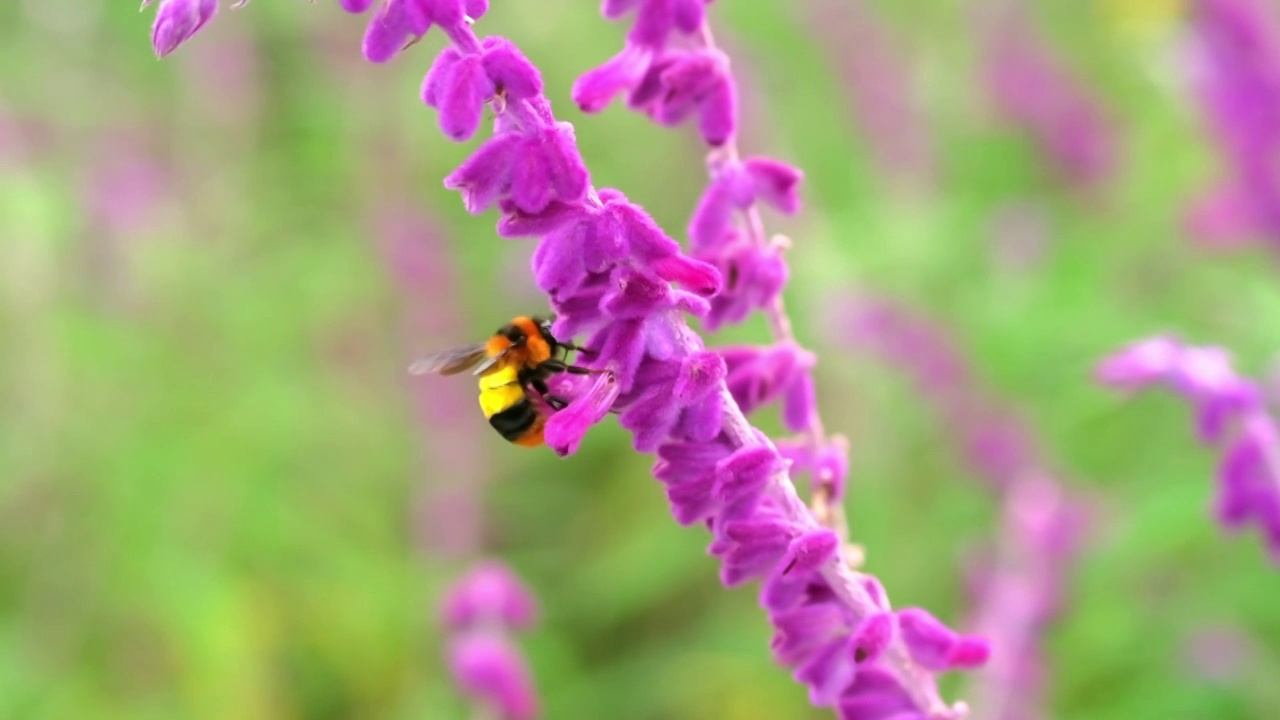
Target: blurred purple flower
x,y
177,20
992,437
479,612
1033,89
1219,653
1020,593
415,253
1017,593
123,189
879,77
1231,415
1236,58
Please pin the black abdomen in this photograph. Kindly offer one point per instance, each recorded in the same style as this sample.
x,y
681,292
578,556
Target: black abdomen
x,y
515,420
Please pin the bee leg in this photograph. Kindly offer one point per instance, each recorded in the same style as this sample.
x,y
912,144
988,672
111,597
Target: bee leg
x,y
558,366
571,346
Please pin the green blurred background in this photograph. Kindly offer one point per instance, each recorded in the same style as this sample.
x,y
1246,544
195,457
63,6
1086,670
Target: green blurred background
x,y
222,497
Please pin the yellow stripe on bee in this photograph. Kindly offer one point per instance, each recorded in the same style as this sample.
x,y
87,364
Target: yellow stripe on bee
x,y
499,390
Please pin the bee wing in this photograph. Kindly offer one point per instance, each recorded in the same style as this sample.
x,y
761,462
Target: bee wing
x,y
449,362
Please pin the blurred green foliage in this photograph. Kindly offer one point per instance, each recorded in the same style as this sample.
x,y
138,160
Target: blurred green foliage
x,y
210,462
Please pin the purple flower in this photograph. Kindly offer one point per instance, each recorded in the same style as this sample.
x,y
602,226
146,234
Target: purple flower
x,y
490,669
1231,415
991,436
489,592
935,646
833,626
1019,595
684,83
177,20
478,612
1236,55
1033,89
656,21
613,275
878,73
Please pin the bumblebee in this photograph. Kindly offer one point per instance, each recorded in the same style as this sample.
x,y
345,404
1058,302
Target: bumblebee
x,y
519,357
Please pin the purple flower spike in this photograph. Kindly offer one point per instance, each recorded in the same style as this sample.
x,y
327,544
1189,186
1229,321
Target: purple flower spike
x,y
479,611
177,20
355,7
613,276
937,647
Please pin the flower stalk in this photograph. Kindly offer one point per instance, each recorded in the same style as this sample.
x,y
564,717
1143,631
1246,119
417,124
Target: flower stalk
x,y
613,275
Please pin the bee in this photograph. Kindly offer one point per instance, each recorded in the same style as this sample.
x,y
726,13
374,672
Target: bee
x,y
519,357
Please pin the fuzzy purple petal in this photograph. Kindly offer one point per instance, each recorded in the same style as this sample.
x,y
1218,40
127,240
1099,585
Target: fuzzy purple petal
x,y
597,87
776,183
462,99
438,78
486,175
566,428
510,71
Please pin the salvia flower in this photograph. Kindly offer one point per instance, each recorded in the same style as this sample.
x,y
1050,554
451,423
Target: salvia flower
x,y
1236,56
832,633
177,20
1231,416
479,612
615,277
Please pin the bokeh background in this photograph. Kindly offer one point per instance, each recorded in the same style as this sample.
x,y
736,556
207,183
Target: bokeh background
x,y
221,496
